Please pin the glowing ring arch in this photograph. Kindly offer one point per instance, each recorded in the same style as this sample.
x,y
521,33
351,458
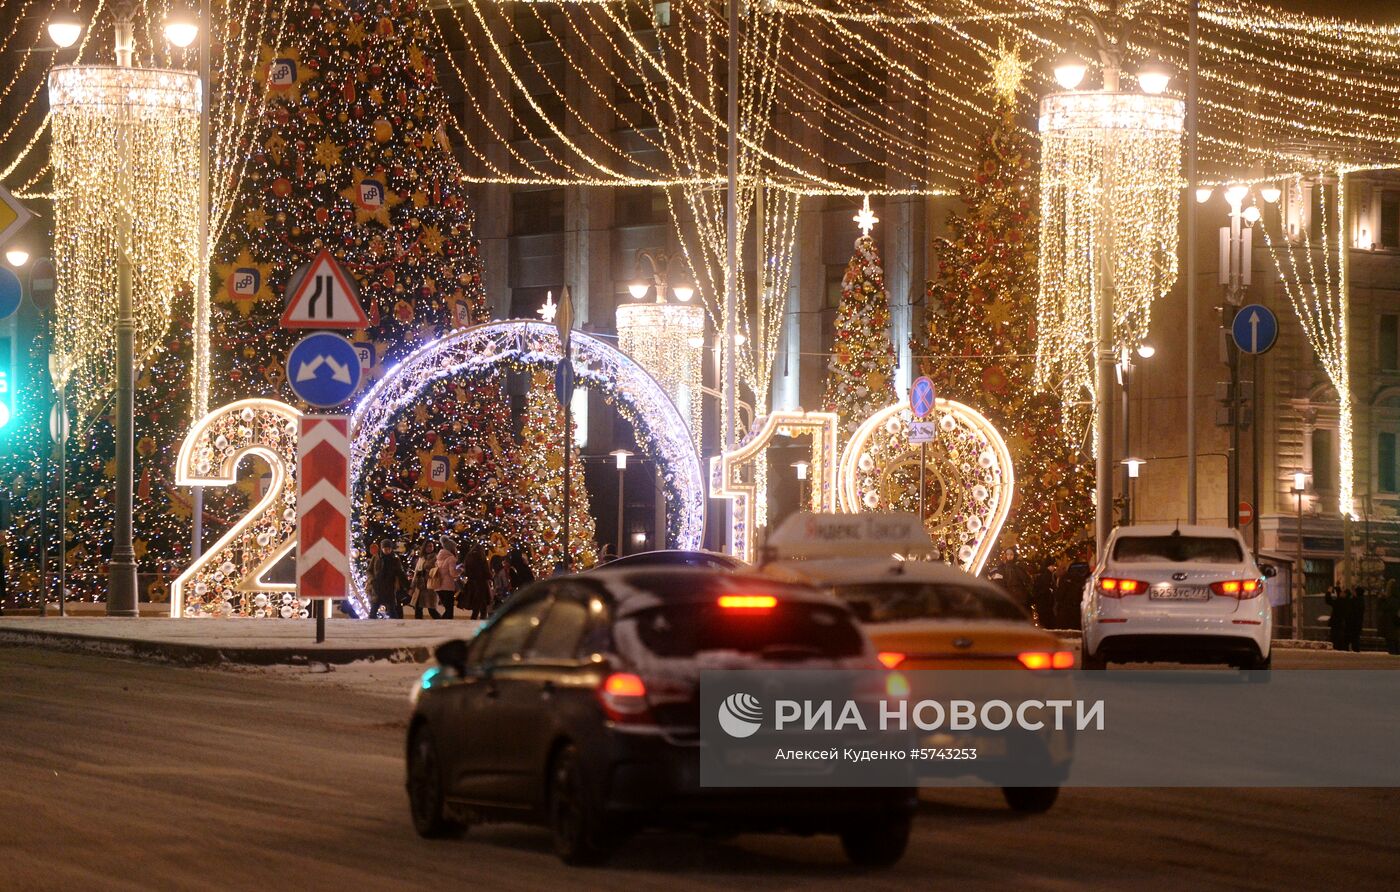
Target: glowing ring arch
x,y
960,416
479,350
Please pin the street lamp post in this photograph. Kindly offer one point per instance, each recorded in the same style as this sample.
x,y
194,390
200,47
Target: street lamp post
x,y
620,456
801,467
1300,481
1132,470
1116,110
661,263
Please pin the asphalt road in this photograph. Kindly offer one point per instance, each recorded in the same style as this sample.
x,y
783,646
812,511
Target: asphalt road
x,y
121,775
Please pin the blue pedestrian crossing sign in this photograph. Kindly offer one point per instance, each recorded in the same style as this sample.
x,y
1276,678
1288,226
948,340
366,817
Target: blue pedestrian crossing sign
x,y
921,396
1255,329
324,369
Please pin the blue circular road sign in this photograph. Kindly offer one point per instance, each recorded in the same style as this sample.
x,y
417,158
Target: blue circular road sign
x,y
1255,329
11,293
324,369
921,396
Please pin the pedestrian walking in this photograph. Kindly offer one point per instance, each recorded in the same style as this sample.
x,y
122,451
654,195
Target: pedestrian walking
x,y
387,579
444,576
1015,579
424,598
520,573
1388,616
1043,594
1355,619
501,587
1338,600
476,573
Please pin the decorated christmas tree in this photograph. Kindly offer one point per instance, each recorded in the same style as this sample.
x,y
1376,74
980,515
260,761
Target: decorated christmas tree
x,y
861,377
542,470
354,158
981,338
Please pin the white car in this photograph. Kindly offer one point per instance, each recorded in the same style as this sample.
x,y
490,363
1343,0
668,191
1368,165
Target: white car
x,y
1182,594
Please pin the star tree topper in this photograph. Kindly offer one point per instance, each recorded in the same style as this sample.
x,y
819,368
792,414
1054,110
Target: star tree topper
x,y
866,218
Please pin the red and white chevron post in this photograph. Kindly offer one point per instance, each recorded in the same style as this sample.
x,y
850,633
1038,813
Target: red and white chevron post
x,y
323,507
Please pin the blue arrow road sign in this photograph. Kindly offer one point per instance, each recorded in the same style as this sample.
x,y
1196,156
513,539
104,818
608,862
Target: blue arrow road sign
x,y
324,369
11,292
1255,329
921,397
564,381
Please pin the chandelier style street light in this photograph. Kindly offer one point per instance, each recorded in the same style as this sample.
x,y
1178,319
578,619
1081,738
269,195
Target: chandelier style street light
x,y
1110,186
125,158
667,337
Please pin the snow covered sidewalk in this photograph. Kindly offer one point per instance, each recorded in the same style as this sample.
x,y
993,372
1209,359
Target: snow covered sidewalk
x,y
246,641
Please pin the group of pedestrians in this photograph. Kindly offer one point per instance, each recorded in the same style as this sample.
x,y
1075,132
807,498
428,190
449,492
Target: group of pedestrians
x,y
1348,616
1051,593
442,581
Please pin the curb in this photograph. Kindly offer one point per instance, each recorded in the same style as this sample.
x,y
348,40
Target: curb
x,y
213,655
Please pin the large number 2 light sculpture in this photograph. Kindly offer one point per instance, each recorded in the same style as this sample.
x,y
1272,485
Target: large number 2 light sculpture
x,y
227,580
741,475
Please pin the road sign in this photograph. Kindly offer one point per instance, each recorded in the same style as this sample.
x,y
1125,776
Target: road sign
x,y
922,397
324,369
1246,513
1255,329
921,432
43,280
13,215
11,293
564,382
323,297
323,507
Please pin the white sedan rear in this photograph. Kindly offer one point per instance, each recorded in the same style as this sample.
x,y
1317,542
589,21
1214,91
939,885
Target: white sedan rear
x,y
1182,594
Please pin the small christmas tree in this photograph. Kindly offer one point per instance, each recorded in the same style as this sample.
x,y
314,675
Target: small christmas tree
x,y
861,378
542,478
981,338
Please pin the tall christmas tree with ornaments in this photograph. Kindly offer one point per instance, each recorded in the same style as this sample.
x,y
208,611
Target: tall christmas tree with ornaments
x,y
542,465
981,331
860,380
353,158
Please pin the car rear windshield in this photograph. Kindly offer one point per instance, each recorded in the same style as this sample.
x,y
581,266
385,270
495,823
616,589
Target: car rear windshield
x,y
1177,550
890,601
793,630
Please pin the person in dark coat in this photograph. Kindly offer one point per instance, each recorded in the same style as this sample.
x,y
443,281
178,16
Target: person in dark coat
x,y
1355,619
477,574
1388,616
1337,599
1043,594
1069,593
387,579
520,573
1015,580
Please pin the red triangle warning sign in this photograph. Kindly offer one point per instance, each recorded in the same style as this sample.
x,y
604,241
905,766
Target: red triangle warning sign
x,y
324,297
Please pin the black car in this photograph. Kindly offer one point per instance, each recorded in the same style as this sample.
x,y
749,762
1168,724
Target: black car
x,y
678,557
578,706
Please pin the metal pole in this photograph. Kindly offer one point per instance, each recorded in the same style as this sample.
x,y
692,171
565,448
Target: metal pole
x,y
1192,39
1300,589
1232,486
121,572
1103,404
44,537
923,463
621,479
1254,447
731,273
568,422
319,609
1127,514
62,499
200,404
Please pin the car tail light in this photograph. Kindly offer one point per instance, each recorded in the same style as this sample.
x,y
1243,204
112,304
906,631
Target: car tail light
x,y
624,697
1244,589
1113,587
891,659
748,603
1060,659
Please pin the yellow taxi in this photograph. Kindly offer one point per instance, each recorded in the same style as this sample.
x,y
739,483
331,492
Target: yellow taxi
x,y
923,614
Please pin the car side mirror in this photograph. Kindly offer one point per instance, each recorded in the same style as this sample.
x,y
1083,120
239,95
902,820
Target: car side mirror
x,y
452,654
1270,571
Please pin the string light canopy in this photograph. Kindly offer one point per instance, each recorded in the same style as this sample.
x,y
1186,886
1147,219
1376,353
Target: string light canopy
x,y
125,161
667,337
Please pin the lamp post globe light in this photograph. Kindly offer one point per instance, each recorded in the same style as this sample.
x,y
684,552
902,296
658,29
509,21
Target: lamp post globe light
x,y
125,149
16,256
620,457
1300,579
65,27
1111,161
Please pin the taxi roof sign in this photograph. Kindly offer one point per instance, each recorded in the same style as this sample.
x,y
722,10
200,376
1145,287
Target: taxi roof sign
x,y
873,535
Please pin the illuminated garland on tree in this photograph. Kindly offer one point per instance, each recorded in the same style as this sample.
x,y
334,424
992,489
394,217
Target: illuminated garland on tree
x,y
542,465
861,377
982,338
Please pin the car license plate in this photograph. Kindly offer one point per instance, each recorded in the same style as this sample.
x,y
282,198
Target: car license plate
x,y
1179,593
